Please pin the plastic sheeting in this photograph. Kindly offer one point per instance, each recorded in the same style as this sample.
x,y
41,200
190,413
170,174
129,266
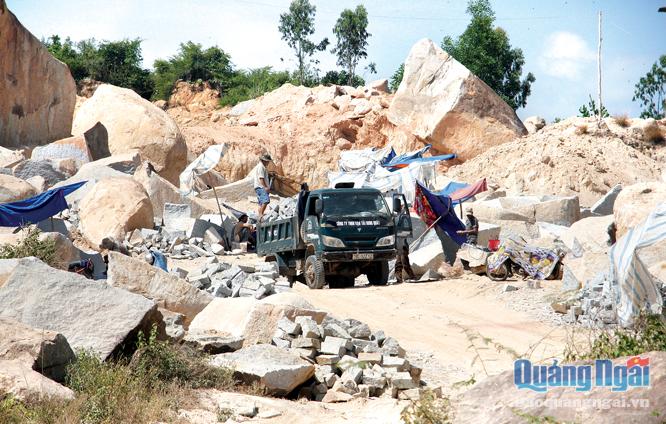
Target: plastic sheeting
x,y
37,208
204,163
632,285
430,206
364,168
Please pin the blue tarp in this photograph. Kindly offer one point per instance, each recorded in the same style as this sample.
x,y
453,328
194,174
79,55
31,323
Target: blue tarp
x,y
431,206
37,208
159,260
393,162
450,188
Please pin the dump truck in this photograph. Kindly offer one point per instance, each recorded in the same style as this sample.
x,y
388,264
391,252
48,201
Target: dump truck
x,y
344,233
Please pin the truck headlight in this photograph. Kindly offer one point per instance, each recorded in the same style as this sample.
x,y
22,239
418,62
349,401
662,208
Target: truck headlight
x,y
332,241
386,241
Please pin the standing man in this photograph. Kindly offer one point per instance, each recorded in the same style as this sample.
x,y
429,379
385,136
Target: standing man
x,y
261,183
402,263
471,227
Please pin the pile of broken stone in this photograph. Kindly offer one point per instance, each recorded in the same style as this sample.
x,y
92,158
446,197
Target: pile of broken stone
x,y
226,280
350,360
285,208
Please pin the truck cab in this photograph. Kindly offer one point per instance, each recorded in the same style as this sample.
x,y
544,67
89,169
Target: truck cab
x,y
345,232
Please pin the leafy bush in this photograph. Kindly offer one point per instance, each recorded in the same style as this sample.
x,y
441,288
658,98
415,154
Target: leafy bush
x,y
246,85
113,62
31,245
192,63
647,334
427,410
591,110
342,78
396,78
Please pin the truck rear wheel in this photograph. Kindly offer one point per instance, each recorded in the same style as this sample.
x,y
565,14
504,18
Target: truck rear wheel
x,y
379,273
315,276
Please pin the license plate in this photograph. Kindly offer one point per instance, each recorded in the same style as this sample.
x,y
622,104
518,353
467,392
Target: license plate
x,y
362,256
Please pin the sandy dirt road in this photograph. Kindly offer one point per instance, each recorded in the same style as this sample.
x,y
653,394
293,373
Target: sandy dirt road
x,y
454,320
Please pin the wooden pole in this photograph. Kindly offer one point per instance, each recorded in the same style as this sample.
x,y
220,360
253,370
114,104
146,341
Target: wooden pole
x,y
412,244
599,116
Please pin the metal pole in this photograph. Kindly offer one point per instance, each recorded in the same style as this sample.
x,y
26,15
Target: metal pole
x,y
412,244
599,73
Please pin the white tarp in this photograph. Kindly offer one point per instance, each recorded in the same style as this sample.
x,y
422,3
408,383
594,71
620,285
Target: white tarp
x,y
361,160
400,181
204,163
632,284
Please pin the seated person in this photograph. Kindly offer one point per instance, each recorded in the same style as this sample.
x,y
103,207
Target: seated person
x,y
244,232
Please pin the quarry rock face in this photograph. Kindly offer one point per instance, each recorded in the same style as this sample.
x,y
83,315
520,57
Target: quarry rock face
x,y
114,207
134,123
38,91
442,102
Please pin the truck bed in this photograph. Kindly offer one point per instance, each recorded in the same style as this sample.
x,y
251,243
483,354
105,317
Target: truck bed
x,y
277,236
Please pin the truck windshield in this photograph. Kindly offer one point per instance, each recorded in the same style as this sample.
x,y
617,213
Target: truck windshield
x,y
354,204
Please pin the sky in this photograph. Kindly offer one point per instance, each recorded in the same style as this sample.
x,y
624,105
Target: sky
x,y
559,38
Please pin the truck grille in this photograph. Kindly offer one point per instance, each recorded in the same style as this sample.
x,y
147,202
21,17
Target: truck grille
x,y
360,241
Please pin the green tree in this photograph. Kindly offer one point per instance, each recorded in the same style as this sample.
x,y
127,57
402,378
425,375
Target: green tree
x,y
296,27
192,63
341,78
591,110
352,39
651,91
396,78
485,50
246,85
113,62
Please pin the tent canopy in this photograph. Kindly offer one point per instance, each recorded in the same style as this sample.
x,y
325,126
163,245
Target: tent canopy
x,y
37,208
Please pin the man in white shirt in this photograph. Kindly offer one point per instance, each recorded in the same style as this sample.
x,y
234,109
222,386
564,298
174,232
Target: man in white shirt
x,y
261,183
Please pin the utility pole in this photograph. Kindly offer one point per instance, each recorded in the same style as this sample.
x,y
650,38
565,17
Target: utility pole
x,y
599,73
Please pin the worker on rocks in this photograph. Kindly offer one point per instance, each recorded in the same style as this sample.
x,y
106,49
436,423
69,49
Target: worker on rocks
x,y
471,227
244,232
261,183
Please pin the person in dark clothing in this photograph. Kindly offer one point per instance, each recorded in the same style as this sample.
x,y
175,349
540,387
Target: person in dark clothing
x,y
110,244
243,232
302,200
471,227
402,264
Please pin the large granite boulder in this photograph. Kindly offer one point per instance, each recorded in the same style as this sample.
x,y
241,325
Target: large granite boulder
x,y
114,207
254,320
169,291
68,148
635,202
13,189
92,315
38,91
276,370
134,123
443,103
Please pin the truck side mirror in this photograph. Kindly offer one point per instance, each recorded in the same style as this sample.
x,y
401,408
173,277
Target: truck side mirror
x,y
319,207
397,205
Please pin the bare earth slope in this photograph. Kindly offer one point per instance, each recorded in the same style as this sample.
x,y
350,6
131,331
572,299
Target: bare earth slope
x,y
560,160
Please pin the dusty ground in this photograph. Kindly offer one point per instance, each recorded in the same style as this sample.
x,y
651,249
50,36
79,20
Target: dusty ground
x,y
460,328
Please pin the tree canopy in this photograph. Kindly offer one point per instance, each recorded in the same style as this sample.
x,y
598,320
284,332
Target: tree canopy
x,y
113,62
192,63
486,51
352,39
650,91
396,78
296,26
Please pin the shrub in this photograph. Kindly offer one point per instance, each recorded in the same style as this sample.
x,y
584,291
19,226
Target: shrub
x,y
427,410
159,362
246,85
622,120
653,134
581,129
648,333
31,245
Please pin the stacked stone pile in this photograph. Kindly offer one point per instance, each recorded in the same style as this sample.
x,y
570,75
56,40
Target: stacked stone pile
x,y
225,280
350,360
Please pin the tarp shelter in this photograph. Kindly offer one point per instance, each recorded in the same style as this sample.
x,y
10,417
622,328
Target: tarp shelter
x,y
632,285
430,206
204,163
466,193
375,168
37,208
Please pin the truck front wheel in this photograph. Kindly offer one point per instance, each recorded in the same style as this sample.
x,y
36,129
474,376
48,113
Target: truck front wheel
x,y
315,277
378,274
